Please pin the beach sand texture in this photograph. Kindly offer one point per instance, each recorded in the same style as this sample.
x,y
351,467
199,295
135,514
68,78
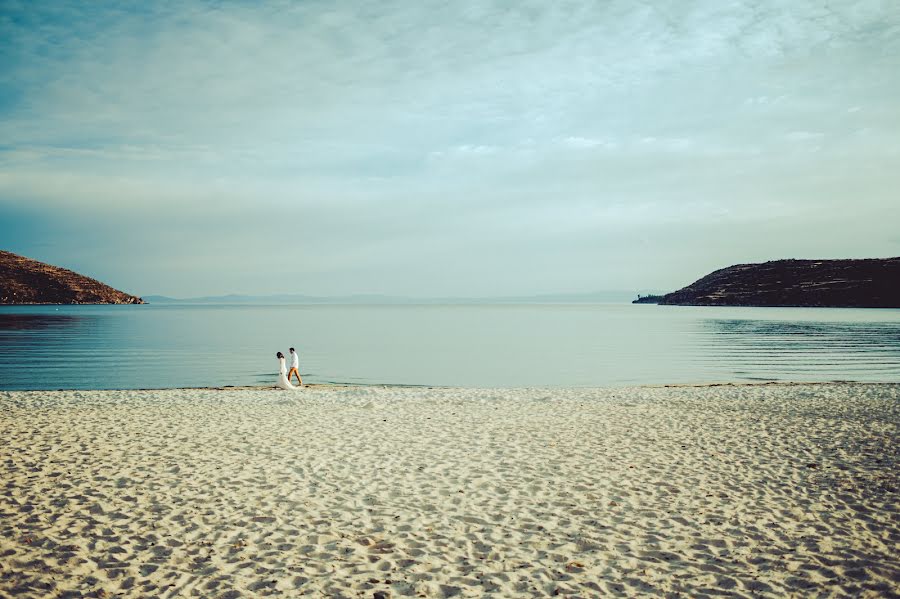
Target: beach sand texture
x,y
769,490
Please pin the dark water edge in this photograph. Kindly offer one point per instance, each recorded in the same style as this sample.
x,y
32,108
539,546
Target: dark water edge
x,y
553,345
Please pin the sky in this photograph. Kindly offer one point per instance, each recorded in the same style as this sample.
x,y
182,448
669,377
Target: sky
x,y
466,148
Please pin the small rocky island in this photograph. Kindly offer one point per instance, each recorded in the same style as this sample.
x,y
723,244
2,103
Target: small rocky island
x,y
647,299
867,283
27,281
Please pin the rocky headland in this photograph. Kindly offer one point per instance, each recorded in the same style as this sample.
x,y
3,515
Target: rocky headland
x,y
866,283
27,281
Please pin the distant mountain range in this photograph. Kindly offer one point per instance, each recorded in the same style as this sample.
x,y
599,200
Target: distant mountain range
x,y
27,281
866,283
362,299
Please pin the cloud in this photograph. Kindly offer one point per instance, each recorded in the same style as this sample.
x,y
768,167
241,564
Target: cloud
x,y
802,136
589,142
391,142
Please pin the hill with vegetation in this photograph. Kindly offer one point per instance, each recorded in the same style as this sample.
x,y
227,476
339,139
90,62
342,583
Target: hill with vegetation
x,y
866,283
27,281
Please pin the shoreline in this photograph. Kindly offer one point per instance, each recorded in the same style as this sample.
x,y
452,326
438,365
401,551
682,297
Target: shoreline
x,y
273,387
762,489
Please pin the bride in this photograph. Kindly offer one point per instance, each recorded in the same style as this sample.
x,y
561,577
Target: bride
x,y
283,382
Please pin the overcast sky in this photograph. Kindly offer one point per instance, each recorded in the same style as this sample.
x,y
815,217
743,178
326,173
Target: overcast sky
x,y
445,148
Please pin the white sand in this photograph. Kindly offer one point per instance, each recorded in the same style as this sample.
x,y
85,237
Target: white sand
x,y
770,490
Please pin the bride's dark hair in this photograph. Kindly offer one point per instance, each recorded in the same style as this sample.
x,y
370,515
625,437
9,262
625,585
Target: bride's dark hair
x,y
279,355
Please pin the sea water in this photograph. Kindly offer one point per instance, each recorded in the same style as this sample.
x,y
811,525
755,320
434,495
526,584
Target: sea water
x,y
555,345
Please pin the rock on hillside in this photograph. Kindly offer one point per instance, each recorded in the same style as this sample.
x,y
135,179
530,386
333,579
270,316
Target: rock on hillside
x,y
868,283
27,281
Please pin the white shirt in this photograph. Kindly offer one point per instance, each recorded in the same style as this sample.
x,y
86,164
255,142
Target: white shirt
x,y
295,361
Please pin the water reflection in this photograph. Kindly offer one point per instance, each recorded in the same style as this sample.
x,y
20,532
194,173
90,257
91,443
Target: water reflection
x,y
775,335
815,350
91,347
39,322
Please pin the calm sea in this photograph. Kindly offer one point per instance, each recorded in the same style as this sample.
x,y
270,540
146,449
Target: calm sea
x,y
153,346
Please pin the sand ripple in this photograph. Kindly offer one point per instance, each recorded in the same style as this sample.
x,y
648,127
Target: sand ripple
x,y
388,492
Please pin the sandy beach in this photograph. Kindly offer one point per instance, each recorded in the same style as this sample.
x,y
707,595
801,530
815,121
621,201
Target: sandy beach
x,y
759,490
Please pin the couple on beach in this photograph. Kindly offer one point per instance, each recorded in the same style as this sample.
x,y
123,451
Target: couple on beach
x,y
284,376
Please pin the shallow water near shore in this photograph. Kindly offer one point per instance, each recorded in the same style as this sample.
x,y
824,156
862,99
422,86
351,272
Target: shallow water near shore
x,y
570,345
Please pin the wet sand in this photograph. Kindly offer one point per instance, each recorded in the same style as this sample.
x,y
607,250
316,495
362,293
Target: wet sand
x,y
769,490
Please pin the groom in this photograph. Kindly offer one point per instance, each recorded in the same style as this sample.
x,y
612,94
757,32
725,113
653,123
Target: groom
x,y
295,367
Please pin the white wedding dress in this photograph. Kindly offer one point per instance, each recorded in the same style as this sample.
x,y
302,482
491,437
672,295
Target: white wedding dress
x,y
283,382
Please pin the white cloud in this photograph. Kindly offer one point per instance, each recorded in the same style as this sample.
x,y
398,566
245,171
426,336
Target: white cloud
x,y
411,133
802,136
589,142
